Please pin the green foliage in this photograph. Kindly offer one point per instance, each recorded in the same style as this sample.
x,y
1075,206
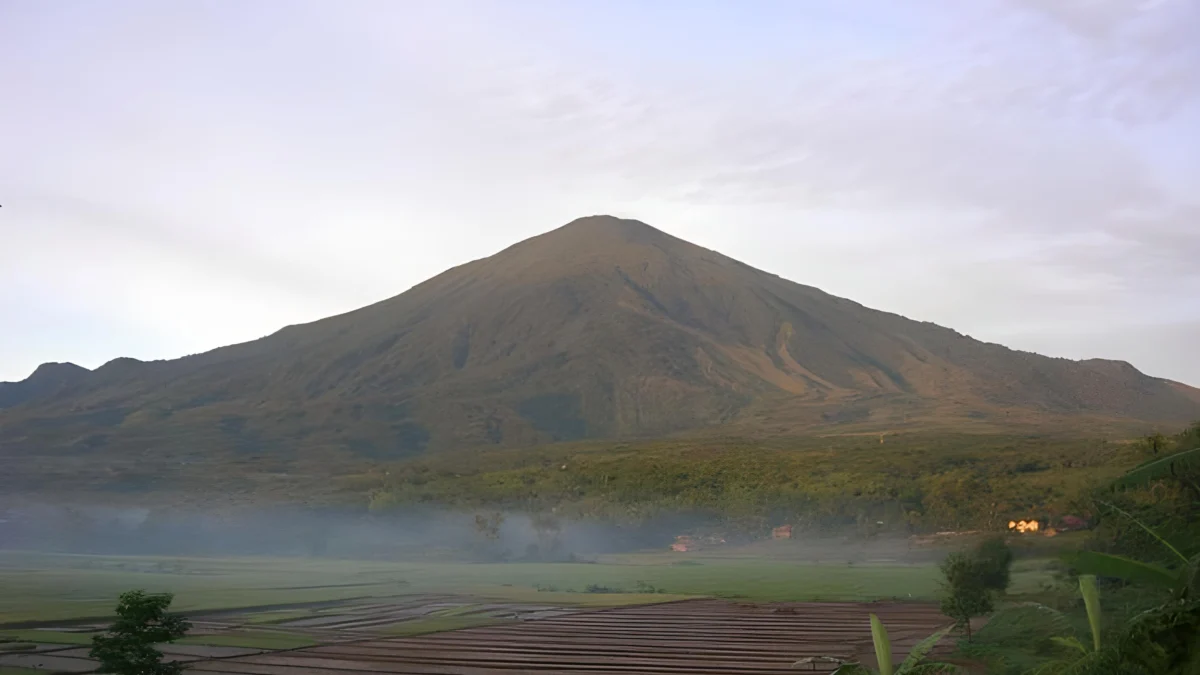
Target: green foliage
x,y
995,560
1163,640
1019,639
883,646
967,595
16,646
838,484
1091,601
1120,567
142,622
1152,513
1177,465
912,664
1037,640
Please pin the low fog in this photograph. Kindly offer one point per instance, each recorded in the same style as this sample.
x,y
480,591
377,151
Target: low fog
x,y
324,533
421,533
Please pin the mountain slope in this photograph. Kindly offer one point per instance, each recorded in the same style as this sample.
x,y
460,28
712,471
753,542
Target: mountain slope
x,y
602,328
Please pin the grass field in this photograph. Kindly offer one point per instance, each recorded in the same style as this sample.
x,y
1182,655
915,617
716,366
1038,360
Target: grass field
x,y
48,637
43,587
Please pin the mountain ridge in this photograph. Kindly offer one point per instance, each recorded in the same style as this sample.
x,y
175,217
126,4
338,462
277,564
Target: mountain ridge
x,y
601,328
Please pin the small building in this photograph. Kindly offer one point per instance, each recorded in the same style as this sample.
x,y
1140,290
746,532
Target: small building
x,y
782,532
683,544
1069,523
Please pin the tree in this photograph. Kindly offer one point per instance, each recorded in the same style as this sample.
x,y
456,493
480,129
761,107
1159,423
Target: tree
x,y
967,596
1155,442
489,526
127,648
995,563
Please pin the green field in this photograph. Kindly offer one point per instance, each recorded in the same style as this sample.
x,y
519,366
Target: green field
x,y
61,587
49,637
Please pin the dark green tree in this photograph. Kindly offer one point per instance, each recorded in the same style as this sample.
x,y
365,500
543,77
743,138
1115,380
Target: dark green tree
x,y
127,648
966,594
995,560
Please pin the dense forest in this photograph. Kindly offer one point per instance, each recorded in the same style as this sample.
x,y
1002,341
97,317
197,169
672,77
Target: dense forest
x,y
868,483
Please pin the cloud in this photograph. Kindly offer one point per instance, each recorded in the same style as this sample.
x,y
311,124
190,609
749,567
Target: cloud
x,y
1009,168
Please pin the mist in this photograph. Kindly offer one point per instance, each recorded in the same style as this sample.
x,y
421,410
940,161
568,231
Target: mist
x,y
333,533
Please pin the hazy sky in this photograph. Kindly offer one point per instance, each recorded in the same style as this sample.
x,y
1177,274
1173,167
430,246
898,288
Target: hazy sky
x,y
176,176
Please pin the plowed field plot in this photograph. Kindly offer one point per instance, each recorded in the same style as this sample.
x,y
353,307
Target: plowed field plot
x,y
696,637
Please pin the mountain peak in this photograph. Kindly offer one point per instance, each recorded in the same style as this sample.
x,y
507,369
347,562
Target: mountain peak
x,y
599,237
57,371
603,229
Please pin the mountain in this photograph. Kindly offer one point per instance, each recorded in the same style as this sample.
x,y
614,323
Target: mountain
x,y
603,328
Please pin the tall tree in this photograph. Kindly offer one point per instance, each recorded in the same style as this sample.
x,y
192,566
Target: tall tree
x,y
128,647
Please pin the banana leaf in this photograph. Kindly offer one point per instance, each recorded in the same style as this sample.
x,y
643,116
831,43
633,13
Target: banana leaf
x,y
1158,469
1127,569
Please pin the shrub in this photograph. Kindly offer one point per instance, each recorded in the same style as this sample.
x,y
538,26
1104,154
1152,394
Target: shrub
x,y
995,563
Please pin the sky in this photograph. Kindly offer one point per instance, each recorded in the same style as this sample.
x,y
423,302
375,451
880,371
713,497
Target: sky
x,y
179,176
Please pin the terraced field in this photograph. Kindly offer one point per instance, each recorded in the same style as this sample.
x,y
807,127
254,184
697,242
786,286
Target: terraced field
x,y
697,637
457,635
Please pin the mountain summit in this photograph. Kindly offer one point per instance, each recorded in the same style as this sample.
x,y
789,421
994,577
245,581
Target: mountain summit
x,y
602,328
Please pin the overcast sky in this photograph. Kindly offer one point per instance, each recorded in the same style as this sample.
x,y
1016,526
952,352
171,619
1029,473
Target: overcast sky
x,y
176,176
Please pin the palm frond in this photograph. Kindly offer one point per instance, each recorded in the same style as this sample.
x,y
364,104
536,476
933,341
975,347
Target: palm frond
x,y
883,646
935,669
922,649
1086,665
1070,643
1091,600
1054,667
1120,567
1149,530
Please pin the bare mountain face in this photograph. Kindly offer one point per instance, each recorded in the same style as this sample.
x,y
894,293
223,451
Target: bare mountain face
x,y
603,328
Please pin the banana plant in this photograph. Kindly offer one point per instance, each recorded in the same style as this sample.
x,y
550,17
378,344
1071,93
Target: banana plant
x,y
1183,582
883,655
1084,659
1171,466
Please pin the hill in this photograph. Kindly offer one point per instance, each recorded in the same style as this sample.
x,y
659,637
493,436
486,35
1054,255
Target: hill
x,y
601,329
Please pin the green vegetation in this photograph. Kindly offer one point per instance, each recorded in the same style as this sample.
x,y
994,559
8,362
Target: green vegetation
x,y
49,637
840,484
46,587
913,664
994,558
967,593
1145,555
16,646
128,646
71,586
